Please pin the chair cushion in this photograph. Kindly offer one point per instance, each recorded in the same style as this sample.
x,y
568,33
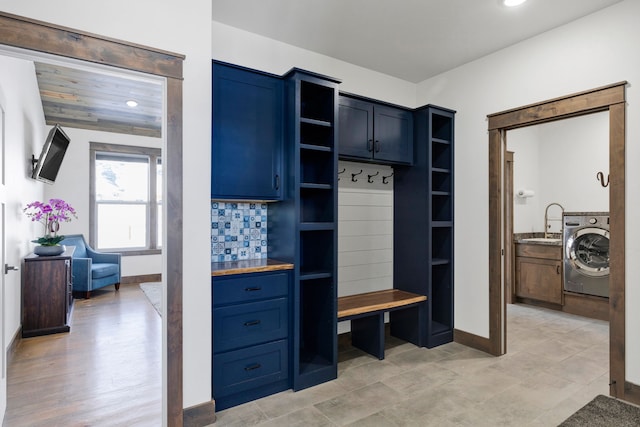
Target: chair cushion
x,y
99,270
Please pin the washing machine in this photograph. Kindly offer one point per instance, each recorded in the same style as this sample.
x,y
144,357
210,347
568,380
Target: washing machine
x,y
586,252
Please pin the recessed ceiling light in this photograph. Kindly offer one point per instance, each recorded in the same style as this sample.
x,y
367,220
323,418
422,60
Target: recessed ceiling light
x,y
131,103
513,3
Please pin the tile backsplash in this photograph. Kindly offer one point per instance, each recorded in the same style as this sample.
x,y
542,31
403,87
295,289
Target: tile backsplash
x,y
238,231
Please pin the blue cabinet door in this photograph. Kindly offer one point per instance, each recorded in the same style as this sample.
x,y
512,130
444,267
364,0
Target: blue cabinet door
x,y
247,135
394,135
375,132
355,128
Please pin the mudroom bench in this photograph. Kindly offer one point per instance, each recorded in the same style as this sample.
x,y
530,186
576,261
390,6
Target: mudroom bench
x,y
366,313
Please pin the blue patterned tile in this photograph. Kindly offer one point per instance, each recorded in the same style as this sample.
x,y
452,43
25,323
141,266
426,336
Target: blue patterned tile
x,y
238,231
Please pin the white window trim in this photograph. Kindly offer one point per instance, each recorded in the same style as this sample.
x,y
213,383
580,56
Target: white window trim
x,y
152,225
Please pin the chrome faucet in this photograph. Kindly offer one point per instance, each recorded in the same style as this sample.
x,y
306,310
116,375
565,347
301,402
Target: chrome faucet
x,y
546,218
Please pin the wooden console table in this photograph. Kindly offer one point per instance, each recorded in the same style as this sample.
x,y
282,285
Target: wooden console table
x,y
46,294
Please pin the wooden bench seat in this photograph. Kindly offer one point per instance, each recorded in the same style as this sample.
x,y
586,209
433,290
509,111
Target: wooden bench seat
x,y
366,312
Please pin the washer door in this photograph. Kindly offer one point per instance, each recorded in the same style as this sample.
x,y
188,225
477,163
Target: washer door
x,y
588,251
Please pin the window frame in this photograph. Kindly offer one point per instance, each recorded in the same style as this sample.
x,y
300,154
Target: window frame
x,y
155,158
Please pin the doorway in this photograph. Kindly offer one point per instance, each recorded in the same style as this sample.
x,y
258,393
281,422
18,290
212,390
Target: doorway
x,y
609,98
51,39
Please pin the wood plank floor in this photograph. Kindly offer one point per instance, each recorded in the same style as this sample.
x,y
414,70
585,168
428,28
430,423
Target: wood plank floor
x,y
105,372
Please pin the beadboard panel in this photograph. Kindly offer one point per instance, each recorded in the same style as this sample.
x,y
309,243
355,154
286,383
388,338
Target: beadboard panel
x,y
365,229
363,243
372,271
366,257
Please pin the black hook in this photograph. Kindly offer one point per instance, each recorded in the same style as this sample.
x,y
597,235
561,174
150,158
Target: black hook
x,y
600,177
371,176
353,176
342,171
384,178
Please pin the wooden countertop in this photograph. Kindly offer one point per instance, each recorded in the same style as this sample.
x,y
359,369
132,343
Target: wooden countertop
x,y
248,266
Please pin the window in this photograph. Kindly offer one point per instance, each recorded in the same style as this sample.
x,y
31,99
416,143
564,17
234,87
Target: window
x,y
126,199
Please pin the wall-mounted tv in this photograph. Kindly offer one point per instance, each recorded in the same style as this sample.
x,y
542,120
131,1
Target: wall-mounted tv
x,y
48,164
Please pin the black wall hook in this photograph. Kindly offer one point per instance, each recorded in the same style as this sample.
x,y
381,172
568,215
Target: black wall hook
x,y
353,176
600,177
342,171
384,178
371,176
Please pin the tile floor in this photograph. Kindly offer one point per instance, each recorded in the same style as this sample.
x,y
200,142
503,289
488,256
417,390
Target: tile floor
x,y
556,363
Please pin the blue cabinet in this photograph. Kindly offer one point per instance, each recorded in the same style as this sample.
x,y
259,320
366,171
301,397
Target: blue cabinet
x,y
424,227
251,329
375,132
247,134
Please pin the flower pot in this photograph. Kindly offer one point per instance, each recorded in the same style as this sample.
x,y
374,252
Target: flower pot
x,y
49,250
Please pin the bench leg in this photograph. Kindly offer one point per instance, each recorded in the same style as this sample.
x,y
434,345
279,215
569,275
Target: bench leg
x,y
367,334
410,324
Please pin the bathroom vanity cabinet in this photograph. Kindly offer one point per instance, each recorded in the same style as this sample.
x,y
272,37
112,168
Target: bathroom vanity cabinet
x,y
539,272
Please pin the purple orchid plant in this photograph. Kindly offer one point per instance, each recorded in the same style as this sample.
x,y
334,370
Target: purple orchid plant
x,y
50,215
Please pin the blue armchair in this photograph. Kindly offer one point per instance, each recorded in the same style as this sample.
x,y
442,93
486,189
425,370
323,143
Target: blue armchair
x,y
92,270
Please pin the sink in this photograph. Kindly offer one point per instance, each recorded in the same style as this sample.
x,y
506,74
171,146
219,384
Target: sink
x,y
542,240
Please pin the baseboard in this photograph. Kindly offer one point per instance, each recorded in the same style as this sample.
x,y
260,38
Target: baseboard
x,y
13,346
199,415
471,340
631,393
142,278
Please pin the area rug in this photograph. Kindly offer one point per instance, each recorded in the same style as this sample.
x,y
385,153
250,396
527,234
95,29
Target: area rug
x,y
153,292
604,411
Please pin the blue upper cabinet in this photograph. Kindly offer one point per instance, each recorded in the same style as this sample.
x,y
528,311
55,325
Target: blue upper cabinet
x,y
247,137
375,132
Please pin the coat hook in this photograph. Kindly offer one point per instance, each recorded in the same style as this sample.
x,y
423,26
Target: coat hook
x,y
384,178
600,177
353,176
371,176
342,171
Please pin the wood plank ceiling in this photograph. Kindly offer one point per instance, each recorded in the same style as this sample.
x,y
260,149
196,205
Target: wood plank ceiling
x,y
97,101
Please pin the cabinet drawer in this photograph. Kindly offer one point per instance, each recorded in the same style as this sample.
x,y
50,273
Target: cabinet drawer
x,y
247,324
539,251
249,287
245,369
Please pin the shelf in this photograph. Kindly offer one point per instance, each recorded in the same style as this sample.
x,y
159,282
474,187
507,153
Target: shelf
x,y
315,148
317,168
316,186
441,183
312,362
317,226
314,275
440,261
441,141
317,102
440,170
317,205
315,122
438,328
441,224
441,193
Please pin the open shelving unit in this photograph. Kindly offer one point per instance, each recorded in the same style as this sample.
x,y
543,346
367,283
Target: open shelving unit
x,y
313,107
423,250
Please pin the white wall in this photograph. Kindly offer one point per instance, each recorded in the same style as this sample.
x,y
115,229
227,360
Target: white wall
x,y
250,50
24,129
72,185
560,162
594,51
182,28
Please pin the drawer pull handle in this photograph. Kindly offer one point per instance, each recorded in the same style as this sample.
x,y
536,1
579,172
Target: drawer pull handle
x,y
252,323
253,367
257,288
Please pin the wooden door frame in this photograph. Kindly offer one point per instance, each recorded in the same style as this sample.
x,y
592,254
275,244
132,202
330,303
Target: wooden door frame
x,y
609,98
53,39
